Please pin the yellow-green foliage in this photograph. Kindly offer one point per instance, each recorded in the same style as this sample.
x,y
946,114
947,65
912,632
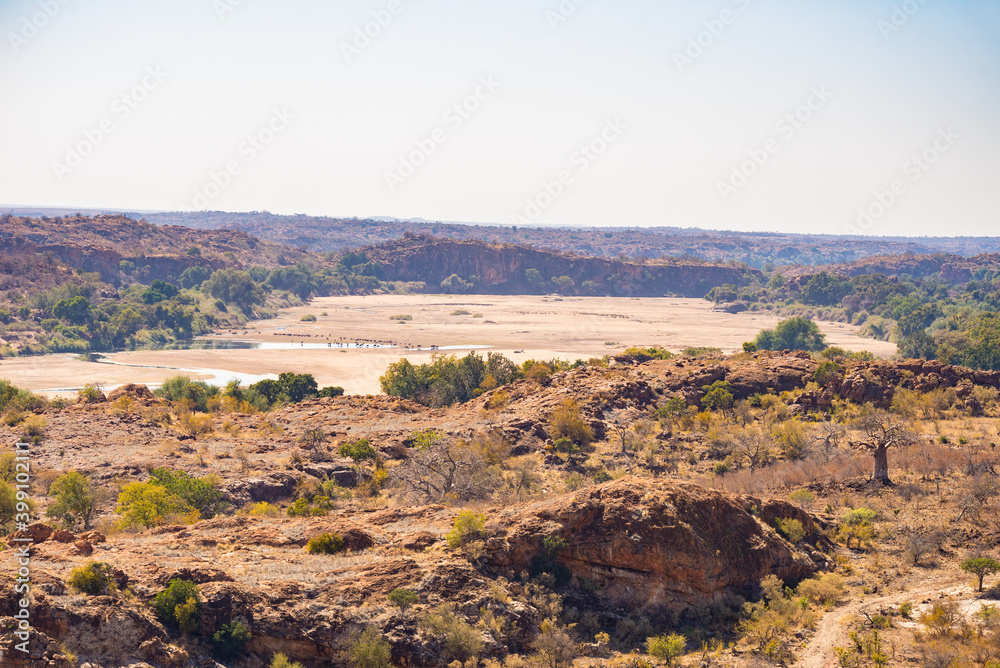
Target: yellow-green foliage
x,y
94,578
459,639
327,543
825,588
195,424
857,525
666,648
567,422
148,505
280,660
370,650
468,523
790,529
32,426
262,509
179,605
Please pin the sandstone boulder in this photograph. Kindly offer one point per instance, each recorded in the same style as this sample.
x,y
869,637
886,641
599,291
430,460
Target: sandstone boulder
x,y
134,390
645,542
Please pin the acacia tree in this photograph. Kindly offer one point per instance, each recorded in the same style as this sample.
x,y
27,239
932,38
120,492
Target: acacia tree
x,y
880,430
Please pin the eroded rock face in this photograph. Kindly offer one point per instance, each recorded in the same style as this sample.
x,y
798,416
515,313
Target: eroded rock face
x,y
653,542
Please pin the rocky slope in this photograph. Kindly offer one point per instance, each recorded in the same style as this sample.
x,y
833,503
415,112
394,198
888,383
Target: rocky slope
x,y
638,545
648,545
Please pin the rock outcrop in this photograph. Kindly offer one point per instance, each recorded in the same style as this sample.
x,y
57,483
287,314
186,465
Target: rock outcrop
x,y
648,542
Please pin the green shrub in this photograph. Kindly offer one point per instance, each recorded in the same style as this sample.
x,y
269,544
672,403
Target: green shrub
x,y
202,494
468,523
825,588
179,605
827,372
89,393
666,648
563,444
94,578
696,351
858,516
228,641
148,504
74,498
905,609
790,529
401,317
718,395
602,476
803,497
359,451
181,389
795,333
280,660
647,354
327,543
308,317
370,650
459,639
567,422
403,598
299,509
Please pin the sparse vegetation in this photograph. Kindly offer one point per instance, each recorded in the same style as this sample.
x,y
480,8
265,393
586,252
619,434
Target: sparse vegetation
x,y
94,578
327,543
179,605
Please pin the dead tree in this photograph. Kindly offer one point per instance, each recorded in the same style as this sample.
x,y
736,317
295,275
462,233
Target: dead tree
x,y
753,445
881,430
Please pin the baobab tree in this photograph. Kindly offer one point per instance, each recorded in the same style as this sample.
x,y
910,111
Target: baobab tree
x,y
879,431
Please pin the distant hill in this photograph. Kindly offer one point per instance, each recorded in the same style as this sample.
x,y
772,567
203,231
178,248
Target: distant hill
x,y
449,265
100,244
754,248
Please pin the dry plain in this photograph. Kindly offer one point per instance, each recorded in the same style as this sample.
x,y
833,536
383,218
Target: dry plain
x,y
521,327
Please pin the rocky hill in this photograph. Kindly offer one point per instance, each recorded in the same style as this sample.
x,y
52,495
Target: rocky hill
x,y
100,244
954,269
755,249
660,543
653,547
507,269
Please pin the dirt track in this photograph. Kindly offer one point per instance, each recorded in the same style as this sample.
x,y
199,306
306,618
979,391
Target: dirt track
x,y
831,632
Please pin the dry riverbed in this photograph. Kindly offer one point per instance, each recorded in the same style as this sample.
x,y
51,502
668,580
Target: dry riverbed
x,y
519,327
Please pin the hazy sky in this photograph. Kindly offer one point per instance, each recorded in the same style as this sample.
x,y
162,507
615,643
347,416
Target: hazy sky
x,y
728,114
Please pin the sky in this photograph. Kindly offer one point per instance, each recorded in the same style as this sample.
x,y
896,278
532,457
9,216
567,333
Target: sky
x,y
827,116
